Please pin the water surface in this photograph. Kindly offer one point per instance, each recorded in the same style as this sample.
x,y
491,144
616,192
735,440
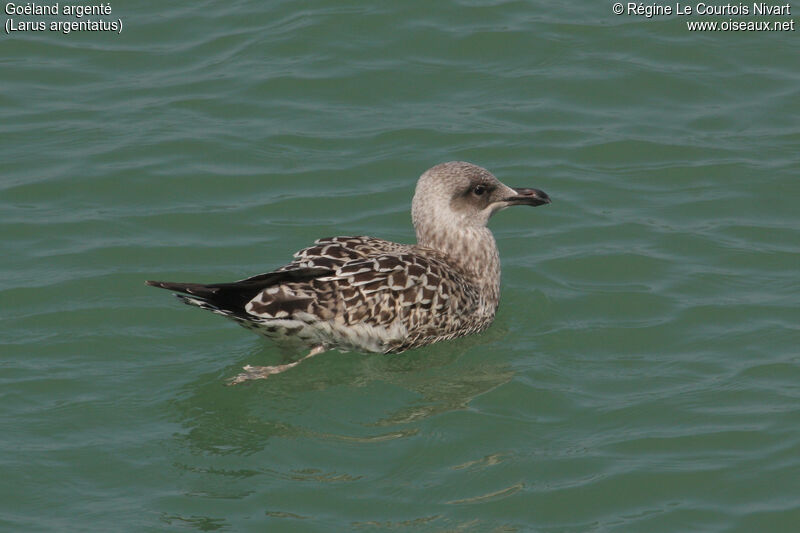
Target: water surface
x,y
643,370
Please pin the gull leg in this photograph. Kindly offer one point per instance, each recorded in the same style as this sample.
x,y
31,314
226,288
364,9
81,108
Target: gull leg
x,y
263,372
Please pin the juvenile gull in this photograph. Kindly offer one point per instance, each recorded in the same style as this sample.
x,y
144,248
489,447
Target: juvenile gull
x,y
370,295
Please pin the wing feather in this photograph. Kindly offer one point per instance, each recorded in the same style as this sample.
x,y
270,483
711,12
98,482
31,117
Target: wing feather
x,y
408,294
378,284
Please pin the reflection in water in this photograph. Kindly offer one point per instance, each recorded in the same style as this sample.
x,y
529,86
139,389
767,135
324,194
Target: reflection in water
x,y
318,426
494,495
201,523
404,524
241,420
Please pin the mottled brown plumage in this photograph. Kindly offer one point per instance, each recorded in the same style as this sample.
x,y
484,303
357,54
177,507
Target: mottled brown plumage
x,y
409,295
368,294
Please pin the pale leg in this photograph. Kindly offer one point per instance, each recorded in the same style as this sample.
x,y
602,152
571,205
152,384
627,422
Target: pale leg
x,y
263,372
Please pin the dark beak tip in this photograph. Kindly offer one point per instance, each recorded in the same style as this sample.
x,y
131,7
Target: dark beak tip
x,y
532,197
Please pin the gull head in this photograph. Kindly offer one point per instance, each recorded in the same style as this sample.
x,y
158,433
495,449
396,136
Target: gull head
x,y
460,194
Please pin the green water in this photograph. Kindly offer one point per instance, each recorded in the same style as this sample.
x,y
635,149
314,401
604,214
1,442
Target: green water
x,y
643,373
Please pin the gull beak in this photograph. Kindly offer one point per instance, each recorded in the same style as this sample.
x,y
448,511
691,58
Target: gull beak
x,y
523,196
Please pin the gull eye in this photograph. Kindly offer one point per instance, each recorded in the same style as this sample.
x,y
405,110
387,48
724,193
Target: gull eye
x,y
479,190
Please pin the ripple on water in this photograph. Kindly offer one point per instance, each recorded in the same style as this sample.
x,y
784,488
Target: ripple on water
x,y
641,374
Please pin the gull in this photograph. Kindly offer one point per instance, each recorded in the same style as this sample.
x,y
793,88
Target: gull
x,y
366,294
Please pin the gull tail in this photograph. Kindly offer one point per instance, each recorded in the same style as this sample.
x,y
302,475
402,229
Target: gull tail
x,y
231,298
